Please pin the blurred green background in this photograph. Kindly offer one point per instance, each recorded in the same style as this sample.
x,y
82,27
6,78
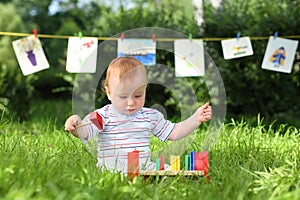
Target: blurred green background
x,y
250,90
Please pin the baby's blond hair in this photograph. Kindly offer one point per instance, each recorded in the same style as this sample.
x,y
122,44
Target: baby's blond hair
x,y
125,67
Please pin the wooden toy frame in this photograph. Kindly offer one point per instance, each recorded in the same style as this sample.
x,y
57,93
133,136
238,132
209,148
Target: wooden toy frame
x,y
170,173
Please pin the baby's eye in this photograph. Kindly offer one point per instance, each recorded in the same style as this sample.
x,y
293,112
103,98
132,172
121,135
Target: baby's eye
x,y
138,96
123,97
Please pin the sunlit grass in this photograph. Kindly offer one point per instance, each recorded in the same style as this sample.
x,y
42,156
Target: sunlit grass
x,y
39,160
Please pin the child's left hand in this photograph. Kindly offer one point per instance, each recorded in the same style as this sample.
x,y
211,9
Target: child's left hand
x,y
184,128
204,113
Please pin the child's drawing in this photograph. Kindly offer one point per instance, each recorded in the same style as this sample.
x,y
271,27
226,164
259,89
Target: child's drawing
x,y
280,54
236,48
142,49
189,58
82,54
30,55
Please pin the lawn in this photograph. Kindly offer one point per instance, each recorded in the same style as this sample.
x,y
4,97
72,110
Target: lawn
x,y
39,160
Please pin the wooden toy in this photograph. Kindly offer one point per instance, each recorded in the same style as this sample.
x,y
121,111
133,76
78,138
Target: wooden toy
x,y
133,164
187,161
192,159
173,162
82,128
196,164
157,164
201,163
170,173
97,120
162,163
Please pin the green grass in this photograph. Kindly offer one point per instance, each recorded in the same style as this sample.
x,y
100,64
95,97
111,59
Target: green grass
x,y
39,160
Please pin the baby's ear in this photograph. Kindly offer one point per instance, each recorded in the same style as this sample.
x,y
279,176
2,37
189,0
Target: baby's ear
x,y
108,92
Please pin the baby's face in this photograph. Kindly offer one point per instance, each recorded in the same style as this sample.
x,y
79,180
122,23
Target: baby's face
x,y
127,96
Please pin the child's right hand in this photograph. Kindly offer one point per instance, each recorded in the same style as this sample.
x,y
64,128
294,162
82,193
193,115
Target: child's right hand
x,y
71,123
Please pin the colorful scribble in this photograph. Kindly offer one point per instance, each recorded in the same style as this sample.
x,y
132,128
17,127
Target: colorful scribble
x,y
28,45
278,57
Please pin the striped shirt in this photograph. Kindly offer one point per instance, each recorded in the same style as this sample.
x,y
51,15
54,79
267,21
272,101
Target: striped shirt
x,y
125,133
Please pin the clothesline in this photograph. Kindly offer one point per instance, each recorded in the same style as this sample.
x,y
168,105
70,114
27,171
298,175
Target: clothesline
x,y
114,38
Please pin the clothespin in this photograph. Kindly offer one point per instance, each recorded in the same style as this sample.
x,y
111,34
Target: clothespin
x,y
80,34
238,35
275,35
34,31
190,37
122,36
153,37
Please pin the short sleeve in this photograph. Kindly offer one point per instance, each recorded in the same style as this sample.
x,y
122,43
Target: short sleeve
x,y
91,128
162,128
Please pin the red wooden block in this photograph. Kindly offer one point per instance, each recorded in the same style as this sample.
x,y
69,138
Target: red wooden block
x,y
162,163
201,162
133,164
97,120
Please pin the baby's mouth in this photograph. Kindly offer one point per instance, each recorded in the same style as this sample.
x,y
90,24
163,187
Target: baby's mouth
x,y
131,109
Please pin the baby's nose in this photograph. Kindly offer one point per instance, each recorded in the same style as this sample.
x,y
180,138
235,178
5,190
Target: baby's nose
x,y
130,101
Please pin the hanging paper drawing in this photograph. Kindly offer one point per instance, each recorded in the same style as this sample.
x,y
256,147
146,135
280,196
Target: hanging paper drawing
x,y
237,47
280,54
189,58
82,54
30,55
142,49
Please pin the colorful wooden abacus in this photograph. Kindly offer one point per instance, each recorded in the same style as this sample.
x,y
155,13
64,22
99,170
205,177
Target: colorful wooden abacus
x,y
196,164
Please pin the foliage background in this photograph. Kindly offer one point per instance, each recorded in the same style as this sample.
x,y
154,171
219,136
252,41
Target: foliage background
x,y
249,89
250,160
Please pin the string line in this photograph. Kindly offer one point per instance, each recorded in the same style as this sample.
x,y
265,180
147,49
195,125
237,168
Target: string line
x,y
157,39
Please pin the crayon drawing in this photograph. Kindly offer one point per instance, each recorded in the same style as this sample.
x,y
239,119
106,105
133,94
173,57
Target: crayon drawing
x,y
82,54
30,55
280,54
189,58
142,49
278,57
236,48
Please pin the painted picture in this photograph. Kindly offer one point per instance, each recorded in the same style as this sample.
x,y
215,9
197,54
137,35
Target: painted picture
x,y
189,58
142,49
30,55
237,47
82,54
280,54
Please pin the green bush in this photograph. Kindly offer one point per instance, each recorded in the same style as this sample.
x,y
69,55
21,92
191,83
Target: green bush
x,y
16,93
250,89
15,90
